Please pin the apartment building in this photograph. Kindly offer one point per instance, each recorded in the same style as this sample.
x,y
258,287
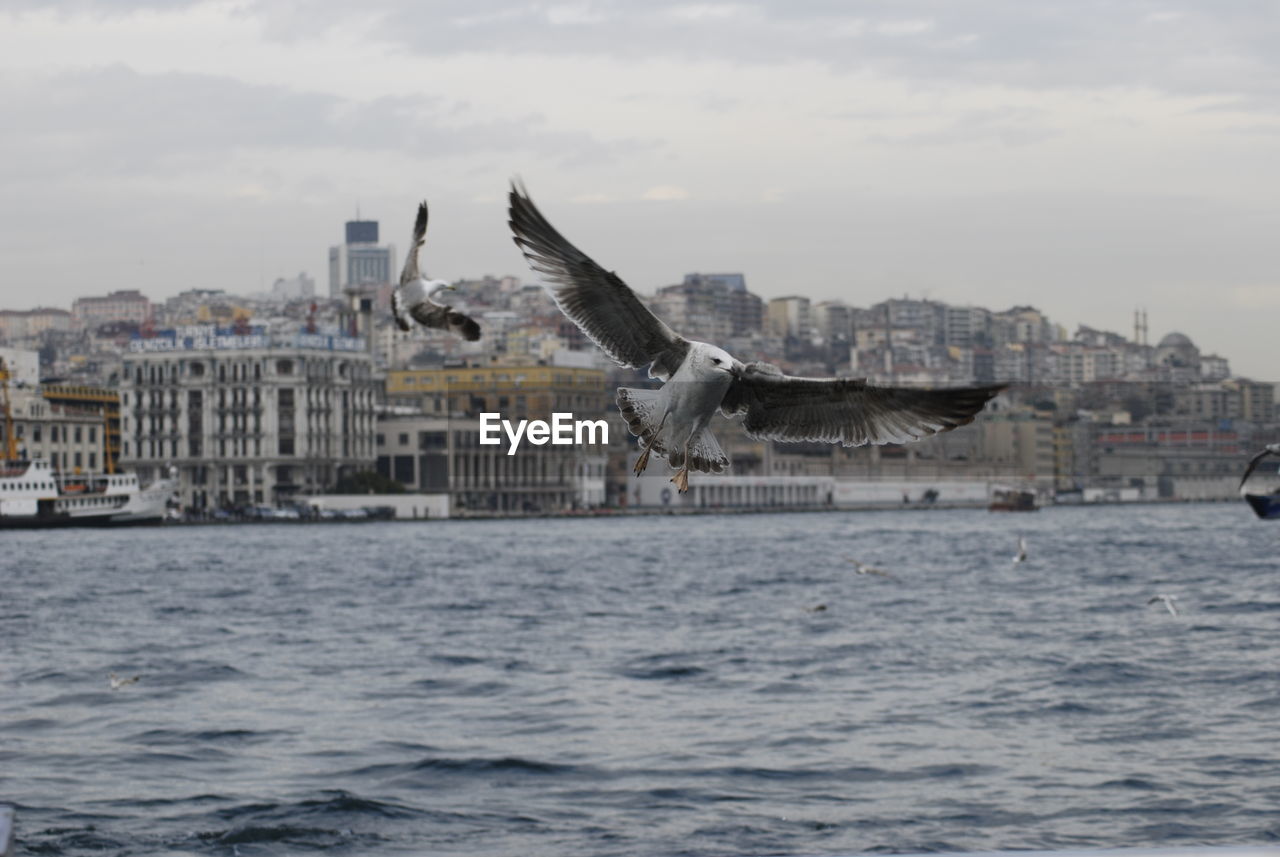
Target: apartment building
x,y
247,419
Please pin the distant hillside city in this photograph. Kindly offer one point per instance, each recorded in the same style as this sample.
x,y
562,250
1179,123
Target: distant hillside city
x,y
259,400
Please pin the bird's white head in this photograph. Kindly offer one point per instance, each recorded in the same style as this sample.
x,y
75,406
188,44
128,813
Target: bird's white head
x,y
719,360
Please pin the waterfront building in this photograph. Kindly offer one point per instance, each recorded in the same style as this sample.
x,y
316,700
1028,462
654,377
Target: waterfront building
x,y
443,455
70,437
103,403
249,418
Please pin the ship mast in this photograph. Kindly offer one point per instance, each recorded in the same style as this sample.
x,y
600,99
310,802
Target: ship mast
x,y
10,442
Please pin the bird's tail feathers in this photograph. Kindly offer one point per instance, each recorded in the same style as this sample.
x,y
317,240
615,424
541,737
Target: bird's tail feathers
x,y
705,454
643,410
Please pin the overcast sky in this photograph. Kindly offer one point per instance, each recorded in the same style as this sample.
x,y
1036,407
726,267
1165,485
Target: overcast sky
x,y
1083,157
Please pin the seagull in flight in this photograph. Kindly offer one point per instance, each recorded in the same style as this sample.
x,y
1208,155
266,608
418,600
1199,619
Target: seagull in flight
x,y
413,301
863,568
1169,602
117,682
1269,449
701,378
1021,555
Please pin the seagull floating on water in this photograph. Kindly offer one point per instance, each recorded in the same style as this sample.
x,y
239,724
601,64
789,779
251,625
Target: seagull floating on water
x,y
1269,449
863,568
117,682
1021,555
1168,600
412,299
702,378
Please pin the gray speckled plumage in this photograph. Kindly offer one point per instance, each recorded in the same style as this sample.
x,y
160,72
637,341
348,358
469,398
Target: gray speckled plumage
x,y
412,300
773,406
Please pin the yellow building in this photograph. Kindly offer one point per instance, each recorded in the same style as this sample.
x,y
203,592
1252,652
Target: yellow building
x,y
522,392
100,400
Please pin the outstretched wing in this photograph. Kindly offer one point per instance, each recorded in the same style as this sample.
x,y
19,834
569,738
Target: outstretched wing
x,y
410,271
1253,463
596,300
845,410
444,317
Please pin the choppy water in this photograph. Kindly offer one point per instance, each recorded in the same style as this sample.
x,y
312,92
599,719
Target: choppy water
x,y
647,686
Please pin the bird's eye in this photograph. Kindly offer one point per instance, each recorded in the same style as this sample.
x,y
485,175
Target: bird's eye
x,y
715,360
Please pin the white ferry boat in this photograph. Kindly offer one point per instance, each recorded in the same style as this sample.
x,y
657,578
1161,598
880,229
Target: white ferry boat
x,y
33,494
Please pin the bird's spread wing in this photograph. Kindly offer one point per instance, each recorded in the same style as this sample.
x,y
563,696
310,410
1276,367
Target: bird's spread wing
x,y
1253,463
845,410
428,313
404,297
410,271
596,300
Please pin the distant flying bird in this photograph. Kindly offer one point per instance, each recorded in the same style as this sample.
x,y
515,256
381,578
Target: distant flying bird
x,y
1168,601
1021,555
863,568
1269,449
117,682
412,299
702,378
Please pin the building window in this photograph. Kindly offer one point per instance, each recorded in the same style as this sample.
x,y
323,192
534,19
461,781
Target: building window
x,y
403,439
284,367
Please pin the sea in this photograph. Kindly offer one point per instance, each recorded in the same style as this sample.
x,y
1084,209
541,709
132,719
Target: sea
x,y
666,685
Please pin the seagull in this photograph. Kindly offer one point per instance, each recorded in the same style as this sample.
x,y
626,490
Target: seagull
x,y
1021,555
1269,449
412,299
863,568
1168,602
117,682
701,378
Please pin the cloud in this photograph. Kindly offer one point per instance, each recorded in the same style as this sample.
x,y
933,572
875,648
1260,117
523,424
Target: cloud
x,y
116,121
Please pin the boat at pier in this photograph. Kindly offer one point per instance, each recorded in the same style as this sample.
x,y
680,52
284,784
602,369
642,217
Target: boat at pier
x,y
34,495
1007,498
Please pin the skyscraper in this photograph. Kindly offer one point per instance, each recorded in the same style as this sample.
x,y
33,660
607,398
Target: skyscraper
x,y
360,261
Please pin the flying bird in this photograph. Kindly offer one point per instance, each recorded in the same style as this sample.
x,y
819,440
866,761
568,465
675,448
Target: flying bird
x,y
701,378
1168,601
117,682
863,568
1269,449
1021,555
412,299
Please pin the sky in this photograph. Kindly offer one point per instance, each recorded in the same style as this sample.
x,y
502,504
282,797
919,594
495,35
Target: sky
x,y
1084,157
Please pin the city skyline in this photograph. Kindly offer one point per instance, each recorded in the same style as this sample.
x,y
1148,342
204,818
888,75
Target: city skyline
x,y
1084,162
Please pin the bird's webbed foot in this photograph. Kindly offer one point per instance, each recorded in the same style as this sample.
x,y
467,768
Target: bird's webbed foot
x,y
681,479
642,462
